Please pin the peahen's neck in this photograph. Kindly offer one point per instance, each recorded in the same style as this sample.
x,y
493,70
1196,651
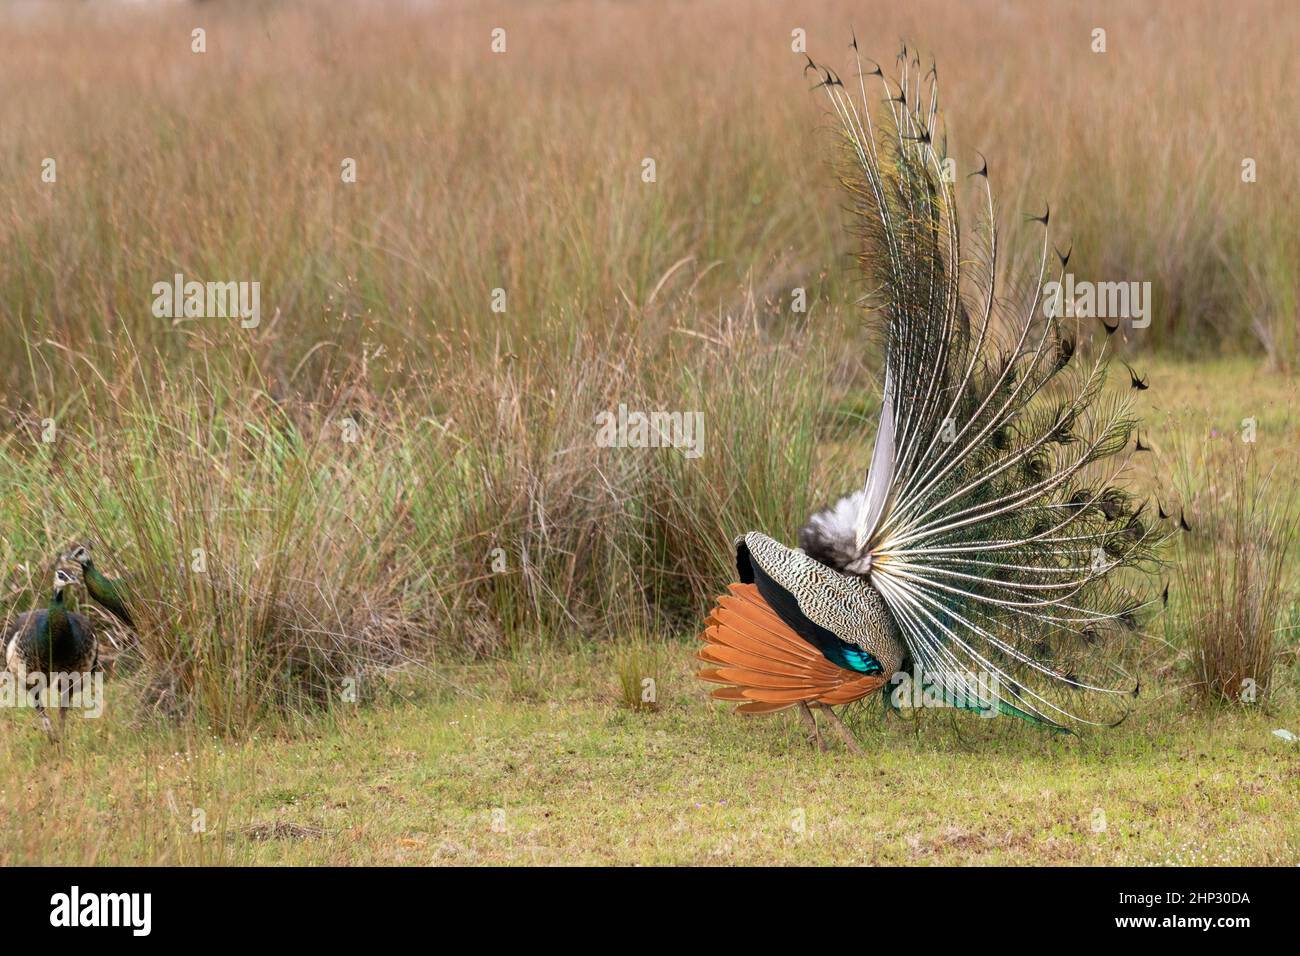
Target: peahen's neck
x,y
58,626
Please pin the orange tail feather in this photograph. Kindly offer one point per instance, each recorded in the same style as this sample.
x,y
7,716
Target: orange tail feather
x,y
767,666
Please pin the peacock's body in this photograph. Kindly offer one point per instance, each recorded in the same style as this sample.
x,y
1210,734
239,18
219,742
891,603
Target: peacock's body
x,y
983,555
51,641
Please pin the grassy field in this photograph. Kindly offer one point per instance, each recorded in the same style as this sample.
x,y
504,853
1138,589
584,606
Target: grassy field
x,y
534,760
392,480
532,756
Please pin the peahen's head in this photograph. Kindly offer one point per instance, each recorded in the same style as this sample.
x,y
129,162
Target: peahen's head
x,y
80,554
62,580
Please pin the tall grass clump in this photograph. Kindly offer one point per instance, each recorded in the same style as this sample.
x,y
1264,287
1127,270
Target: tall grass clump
x,y
266,543
765,400
1232,571
641,665
565,534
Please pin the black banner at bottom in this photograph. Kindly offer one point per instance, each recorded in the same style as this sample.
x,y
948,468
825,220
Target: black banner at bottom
x,y
332,906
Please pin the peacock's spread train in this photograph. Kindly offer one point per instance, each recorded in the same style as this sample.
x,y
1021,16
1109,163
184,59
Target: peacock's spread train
x,y
981,556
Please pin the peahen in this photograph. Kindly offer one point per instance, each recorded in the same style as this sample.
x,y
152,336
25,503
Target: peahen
x,y
109,594
983,557
55,644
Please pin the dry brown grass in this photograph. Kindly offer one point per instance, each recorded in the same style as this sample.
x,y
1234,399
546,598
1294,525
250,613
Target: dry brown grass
x,y
521,171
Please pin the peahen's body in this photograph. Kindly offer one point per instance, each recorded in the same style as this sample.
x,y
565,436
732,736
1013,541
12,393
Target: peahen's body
x,y
51,642
981,556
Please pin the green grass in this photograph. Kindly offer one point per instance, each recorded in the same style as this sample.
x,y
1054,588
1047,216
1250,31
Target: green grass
x,y
492,769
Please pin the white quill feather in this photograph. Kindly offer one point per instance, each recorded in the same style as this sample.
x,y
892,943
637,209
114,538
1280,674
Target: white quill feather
x,y
880,477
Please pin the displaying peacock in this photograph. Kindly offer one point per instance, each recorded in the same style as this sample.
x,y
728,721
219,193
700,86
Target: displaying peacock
x,y
55,645
984,558
109,594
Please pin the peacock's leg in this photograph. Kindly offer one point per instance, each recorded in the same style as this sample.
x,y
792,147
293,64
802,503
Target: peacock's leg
x,y
845,734
44,715
810,722
65,700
